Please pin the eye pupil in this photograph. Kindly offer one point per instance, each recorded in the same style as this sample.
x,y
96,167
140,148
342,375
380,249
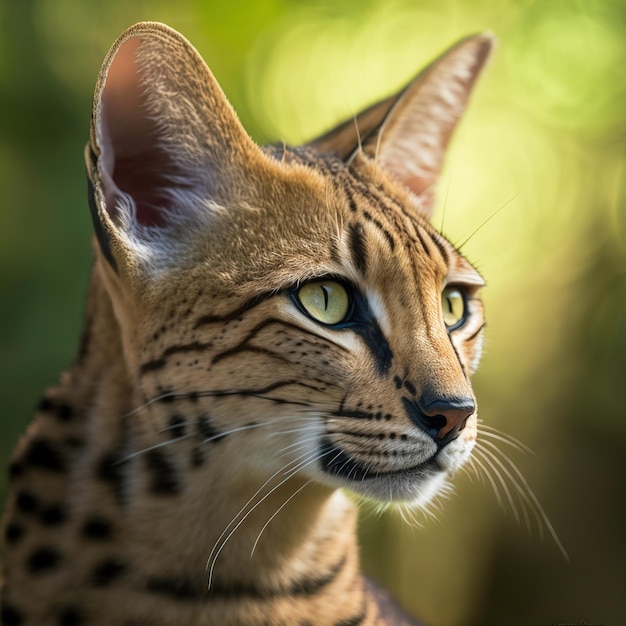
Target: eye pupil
x,y
325,291
453,307
325,301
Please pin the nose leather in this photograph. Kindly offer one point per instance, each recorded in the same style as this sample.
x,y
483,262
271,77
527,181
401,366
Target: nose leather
x,y
442,418
450,414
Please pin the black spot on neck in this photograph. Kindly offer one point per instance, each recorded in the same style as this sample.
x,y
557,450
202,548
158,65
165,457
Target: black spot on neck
x,y
71,616
43,559
107,571
111,469
15,470
207,431
11,616
53,515
13,533
164,474
27,502
98,528
62,410
177,427
43,454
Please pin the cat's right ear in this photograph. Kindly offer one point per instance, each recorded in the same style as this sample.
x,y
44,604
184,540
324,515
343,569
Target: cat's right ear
x,y
166,149
407,134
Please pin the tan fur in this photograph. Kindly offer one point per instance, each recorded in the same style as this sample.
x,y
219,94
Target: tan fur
x,y
201,382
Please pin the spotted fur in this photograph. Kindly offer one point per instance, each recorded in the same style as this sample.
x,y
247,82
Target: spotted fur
x,y
188,469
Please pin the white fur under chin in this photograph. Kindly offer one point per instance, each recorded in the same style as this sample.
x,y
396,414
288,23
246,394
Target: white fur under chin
x,y
429,489
411,492
413,510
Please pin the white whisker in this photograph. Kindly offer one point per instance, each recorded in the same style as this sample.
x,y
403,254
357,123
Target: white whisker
x,y
494,433
291,431
156,446
507,492
359,149
215,556
409,515
460,246
489,477
216,393
251,499
521,494
278,510
215,437
445,205
529,496
472,472
239,429
309,458
300,442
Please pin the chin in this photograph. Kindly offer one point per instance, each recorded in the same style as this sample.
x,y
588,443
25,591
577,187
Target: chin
x,y
415,485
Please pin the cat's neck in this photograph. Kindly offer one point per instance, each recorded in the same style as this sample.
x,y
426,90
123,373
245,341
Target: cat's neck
x,y
204,534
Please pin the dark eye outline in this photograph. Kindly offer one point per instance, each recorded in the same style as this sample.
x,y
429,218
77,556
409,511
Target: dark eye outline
x,y
347,321
463,319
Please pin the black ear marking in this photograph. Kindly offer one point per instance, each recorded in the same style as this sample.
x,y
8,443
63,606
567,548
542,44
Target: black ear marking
x,y
101,235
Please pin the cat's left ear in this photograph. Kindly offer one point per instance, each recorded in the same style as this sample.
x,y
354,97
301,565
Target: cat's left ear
x,y
167,157
407,134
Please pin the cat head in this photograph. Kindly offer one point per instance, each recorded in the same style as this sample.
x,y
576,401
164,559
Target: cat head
x,y
305,284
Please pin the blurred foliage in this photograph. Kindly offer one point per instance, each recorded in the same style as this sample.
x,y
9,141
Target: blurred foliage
x,y
543,141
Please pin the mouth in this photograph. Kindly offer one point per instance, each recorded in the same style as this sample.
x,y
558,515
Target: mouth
x,y
335,462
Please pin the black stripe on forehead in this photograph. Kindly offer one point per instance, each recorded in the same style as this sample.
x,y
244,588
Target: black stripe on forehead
x,y
438,240
358,246
381,228
422,241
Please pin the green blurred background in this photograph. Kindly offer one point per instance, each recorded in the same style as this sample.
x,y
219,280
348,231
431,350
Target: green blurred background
x,y
545,133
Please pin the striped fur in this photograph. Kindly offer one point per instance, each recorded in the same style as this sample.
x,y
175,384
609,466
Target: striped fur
x,y
189,468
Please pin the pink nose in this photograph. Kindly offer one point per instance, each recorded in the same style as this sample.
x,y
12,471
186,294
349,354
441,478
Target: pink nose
x,y
448,417
442,419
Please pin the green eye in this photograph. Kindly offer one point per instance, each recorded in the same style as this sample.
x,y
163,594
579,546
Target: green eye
x,y
453,306
326,301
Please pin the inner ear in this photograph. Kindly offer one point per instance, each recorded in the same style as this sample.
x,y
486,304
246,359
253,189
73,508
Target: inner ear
x,y
135,164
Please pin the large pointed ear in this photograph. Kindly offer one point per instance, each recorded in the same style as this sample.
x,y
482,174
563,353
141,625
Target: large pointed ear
x,y
166,147
407,134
